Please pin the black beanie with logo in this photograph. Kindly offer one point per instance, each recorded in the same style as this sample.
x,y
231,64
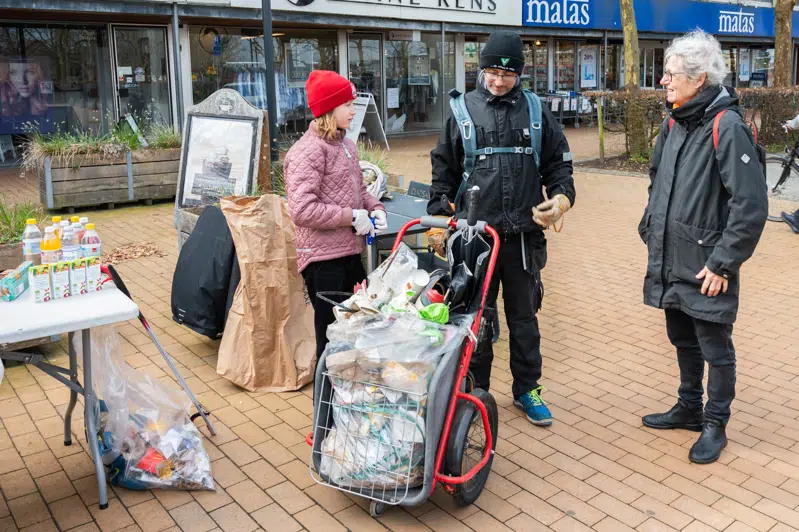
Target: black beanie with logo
x,y
504,51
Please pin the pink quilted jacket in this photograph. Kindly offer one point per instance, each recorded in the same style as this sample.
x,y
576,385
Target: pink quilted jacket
x,y
323,184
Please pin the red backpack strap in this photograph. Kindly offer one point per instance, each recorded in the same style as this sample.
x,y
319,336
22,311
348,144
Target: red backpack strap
x,y
671,123
716,123
753,127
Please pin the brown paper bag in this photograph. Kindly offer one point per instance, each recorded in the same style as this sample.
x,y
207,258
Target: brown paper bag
x,y
269,343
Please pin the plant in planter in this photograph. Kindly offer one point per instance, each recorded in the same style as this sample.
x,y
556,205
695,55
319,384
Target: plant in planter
x,y
83,168
12,225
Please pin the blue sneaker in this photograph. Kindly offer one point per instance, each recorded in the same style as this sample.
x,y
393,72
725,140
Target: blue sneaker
x,y
532,404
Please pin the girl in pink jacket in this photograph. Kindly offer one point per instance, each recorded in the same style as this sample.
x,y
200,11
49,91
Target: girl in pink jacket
x,y
329,204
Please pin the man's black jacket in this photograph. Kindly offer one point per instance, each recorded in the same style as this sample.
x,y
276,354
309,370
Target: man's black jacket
x,y
510,184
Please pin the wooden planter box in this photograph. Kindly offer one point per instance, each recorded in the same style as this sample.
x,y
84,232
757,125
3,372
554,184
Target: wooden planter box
x,y
140,175
10,256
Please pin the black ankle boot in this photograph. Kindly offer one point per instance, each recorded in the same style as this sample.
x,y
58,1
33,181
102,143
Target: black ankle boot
x,y
678,417
792,220
707,448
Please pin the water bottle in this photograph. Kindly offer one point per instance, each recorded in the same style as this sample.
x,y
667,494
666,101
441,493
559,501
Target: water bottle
x,y
63,224
91,246
57,224
32,242
51,246
70,245
83,222
79,231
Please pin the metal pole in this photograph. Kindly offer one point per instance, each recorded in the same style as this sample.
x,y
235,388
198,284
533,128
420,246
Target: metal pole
x,y
443,75
178,75
269,63
605,64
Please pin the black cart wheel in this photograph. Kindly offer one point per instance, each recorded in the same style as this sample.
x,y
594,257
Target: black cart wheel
x,y
466,443
376,509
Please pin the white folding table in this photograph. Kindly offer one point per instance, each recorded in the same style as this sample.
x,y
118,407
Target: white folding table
x,y
24,320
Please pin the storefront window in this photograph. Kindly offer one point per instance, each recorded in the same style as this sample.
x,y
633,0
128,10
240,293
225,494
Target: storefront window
x,y
762,68
650,63
472,51
234,58
414,83
564,65
143,83
731,62
612,66
54,78
534,77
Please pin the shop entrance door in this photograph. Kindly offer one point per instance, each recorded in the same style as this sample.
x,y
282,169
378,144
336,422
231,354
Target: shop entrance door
x,y
142,74
365,60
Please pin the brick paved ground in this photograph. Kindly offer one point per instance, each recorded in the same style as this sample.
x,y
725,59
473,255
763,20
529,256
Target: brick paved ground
x,y
607,362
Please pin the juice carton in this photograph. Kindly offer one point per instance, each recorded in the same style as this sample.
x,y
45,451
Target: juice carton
x,y
59,277
15,282
93,274
77,277
40,283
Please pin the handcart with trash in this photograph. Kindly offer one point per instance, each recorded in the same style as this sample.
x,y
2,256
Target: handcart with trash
x,y
394,410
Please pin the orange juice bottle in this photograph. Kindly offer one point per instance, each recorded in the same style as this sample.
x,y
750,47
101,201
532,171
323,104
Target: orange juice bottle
x,y
51,246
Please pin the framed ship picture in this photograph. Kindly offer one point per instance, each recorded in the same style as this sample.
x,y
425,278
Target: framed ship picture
x,y
220,152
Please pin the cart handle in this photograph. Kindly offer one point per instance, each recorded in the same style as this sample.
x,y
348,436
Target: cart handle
x,y
449,223
487,452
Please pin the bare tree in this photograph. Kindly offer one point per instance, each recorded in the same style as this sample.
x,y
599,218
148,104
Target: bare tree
x,y
637,144
783,44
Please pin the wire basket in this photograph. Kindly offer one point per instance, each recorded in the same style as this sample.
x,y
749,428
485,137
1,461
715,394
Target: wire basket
x,y
373,439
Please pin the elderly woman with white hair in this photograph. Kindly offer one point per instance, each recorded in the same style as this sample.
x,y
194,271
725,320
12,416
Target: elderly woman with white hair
x,y
706,211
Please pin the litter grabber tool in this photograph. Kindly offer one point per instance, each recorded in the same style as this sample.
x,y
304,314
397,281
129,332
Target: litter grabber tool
x,y
201,411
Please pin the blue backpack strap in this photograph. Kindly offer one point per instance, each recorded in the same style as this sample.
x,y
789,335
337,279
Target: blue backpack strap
x,y
536,117
466,127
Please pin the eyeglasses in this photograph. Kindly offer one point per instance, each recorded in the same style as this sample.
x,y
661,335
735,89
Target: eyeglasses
x,y
501,76
668,75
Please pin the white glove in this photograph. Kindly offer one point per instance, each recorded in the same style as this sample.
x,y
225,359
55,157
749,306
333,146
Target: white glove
x,y
361,222
381,220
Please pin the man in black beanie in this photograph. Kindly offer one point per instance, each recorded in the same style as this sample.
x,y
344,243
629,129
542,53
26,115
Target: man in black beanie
x,y
510,175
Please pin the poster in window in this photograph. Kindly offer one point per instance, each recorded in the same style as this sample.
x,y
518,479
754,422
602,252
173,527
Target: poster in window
x,y
299,61
744,69
26,95
588,60
392,98
418,65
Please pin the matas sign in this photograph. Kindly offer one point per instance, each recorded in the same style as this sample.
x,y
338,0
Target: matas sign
x,y
560,12
736,22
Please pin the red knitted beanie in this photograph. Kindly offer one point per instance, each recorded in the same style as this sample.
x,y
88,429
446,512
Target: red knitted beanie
x,y
327,90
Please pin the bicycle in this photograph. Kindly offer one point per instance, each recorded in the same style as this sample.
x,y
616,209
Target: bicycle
x,y
782,177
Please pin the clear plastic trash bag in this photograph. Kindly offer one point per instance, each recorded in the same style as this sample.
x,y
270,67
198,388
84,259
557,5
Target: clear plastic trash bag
x,y
380,370
147,439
